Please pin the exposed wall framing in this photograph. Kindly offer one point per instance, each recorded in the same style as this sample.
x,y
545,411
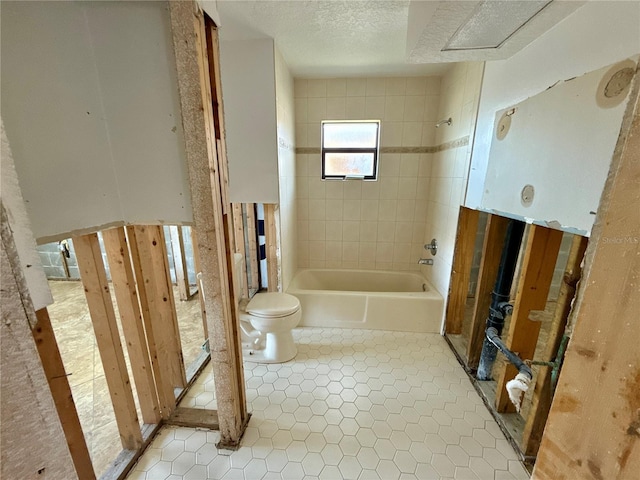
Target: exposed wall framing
x,y
271,239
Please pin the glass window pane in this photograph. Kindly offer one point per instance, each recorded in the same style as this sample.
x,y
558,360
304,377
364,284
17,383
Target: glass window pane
x,y
350,135
348,164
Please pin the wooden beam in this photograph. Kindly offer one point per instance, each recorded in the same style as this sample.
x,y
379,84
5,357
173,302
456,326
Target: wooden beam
x,y
252,236
193,47
161,372
593,429
461,271
179,262
61,391
538,264
238,229
103,317
543,392
195,418
156,278
196,262
491,251
271,244
124,287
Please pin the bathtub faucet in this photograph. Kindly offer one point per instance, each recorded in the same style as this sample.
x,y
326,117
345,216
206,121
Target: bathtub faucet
x,y
426,261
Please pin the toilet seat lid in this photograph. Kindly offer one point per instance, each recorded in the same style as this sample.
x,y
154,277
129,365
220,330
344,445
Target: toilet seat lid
x,y
271,305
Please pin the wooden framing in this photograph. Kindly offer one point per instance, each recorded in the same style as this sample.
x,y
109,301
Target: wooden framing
x,y
195,46
196,262
252,236
124,287
156,279
593,429
461,269
61,392
538,264
180,262
194,418
238,229
495,232
543,392
271,244
94,279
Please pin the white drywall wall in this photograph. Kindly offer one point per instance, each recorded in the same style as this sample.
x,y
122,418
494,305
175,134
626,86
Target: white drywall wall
x,y
596,35
91,108
562,142
249,94
13,203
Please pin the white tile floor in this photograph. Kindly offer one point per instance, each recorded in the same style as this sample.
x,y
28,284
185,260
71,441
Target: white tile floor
x,y
354,404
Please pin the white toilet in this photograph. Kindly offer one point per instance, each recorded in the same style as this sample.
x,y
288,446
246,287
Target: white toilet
x,y
266,322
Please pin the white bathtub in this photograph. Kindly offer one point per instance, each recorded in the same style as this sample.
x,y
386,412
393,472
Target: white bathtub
x,y
377,300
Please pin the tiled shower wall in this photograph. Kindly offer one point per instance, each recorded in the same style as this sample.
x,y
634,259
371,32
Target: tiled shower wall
x,y
358,224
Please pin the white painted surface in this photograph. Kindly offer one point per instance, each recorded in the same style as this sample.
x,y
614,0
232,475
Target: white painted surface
x,y
288,250
596,35
13,204
364,303
562,142
89,100
249,93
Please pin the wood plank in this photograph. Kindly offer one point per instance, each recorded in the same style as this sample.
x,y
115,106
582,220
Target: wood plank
x,y
192,46
61,391
461,270
491,251
252,235
126,459
161,375
271,244
538,264
238,229
124,287
196,261
179,262
103,318
155,276
195,418
543,391
593,426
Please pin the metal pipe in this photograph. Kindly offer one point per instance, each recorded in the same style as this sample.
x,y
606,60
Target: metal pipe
x,y
515,360
500,295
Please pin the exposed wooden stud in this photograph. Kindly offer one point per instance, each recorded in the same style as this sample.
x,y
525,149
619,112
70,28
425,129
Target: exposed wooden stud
x,y
543,392
538,264
196,262
193,47
103,318
156,278
593,429
491,250
252,236
161,372
124,287
271,244
194,418
180,262
461,271
61,391
238,228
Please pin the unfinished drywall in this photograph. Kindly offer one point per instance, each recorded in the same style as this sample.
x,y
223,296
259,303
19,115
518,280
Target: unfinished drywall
x,y
286,170
559,143
89,101
248,82
596,35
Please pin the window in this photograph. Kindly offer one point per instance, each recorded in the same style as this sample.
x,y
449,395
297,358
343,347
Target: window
x,y
350,150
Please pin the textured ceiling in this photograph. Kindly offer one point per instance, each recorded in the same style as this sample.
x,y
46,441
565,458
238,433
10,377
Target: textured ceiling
x,y
381,37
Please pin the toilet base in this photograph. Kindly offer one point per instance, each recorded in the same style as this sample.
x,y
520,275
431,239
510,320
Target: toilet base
x,y
278,348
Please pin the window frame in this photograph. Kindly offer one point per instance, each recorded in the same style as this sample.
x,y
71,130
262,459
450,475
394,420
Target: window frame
x,y
374,150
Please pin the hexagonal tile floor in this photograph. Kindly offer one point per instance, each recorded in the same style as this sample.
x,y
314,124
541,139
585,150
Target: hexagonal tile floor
x,y
353,404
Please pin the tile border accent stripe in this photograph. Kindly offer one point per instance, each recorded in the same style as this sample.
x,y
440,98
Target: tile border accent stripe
x,y
459,142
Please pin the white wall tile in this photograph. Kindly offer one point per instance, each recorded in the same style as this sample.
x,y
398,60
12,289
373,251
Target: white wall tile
x,y
355,108
316,109
351,231
336,108
386,231
391,134
395,86
393,109
374,108
317,88
356,87
334,189
416,86
375,87
300,88
337,87
333,231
